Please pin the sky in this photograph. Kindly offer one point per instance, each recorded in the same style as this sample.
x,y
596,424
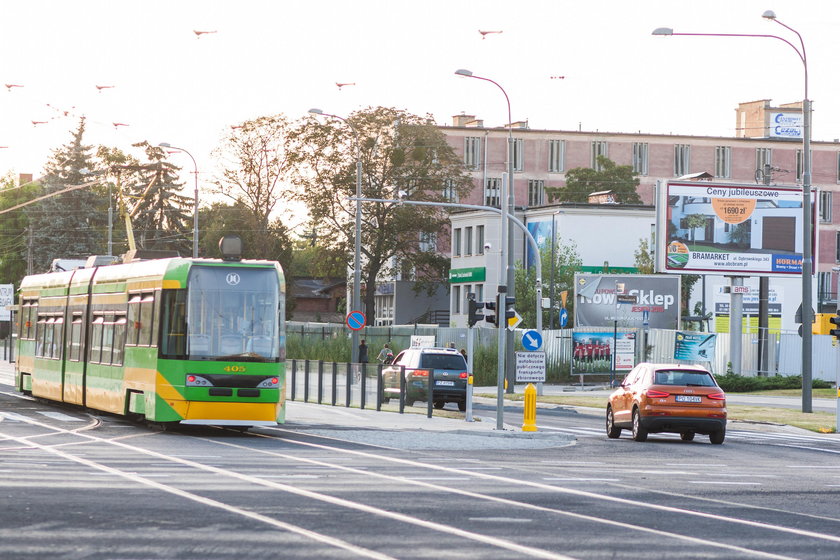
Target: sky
x,y
267,57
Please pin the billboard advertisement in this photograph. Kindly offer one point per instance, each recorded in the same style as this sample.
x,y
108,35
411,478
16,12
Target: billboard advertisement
x,y
630,300
593,351
785,125
751,230
698,347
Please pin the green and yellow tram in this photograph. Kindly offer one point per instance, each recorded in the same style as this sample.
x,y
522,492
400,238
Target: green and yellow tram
x,y
194,341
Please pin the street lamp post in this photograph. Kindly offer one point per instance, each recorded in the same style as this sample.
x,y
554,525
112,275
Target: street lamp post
x,y
506,242
195,195
807,251
357,257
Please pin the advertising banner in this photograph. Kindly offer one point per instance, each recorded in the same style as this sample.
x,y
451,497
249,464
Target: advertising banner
x,y
697,347
7,297
785,125
731,229
592,351
598,300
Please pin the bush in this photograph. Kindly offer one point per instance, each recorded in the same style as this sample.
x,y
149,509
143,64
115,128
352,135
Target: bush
x,y
741,384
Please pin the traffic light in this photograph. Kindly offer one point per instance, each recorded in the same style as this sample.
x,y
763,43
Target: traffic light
x,y
491,318
473,307
836,322
510,312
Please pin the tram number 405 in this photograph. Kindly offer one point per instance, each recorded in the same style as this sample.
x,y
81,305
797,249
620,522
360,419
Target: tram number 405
x,y
235,369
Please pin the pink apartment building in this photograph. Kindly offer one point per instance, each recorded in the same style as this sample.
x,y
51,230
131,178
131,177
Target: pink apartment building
x,y
765,135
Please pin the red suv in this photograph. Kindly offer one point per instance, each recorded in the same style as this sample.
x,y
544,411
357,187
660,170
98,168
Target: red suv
x,y
682,399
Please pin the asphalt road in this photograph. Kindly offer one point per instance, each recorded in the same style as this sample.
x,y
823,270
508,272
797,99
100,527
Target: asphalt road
x,y
343,483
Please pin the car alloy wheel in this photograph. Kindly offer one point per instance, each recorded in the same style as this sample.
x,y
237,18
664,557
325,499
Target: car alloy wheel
x,y
639,433
613,431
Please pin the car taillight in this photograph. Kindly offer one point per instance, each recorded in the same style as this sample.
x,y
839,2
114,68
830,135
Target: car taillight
x,y
191,379
464,375
421,373
717,396
657,394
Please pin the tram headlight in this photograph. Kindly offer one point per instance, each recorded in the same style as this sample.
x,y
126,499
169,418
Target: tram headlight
x,y
197,381
269,383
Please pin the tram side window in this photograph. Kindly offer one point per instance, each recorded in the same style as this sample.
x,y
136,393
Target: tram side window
x,y
174,324
147,306
58,337
96,339
133,319
107,339
119,341
29,312
76,337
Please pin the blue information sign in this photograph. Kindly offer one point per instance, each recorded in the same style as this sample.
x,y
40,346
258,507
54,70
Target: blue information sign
x,y
356,320
532,340
564,317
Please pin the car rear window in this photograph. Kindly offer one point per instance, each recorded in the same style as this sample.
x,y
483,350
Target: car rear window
x,y
443,361
682,377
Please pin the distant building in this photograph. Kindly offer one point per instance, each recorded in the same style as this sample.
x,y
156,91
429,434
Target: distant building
x,y
766,137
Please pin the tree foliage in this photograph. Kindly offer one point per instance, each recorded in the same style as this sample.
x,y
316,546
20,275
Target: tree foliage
x,y
72,224
162,216
644,257
567,261
14,229
400,152
256,164
583,181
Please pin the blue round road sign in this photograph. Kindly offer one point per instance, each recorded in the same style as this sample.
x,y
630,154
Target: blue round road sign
x,y
356,320
532,340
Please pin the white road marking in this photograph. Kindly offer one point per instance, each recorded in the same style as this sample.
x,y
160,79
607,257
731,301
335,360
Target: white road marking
x,y
726,482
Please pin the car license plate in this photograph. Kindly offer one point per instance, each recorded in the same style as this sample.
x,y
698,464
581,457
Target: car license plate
x,y
445,383
688,398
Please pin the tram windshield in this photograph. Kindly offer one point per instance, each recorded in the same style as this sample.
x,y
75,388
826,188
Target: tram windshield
x,y
231,314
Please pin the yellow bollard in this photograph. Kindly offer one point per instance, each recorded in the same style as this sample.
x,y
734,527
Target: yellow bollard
x,y
529,423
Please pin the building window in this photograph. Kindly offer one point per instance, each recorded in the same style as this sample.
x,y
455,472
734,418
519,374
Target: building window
x,y
824,291
763,156
825,206
640,158
468,241
838,167
837,248
456,299
599,148
682,159
536,192
428,241
492,193
518,154
456,242
472,152
479,292
479,240
723,162
557,156
450,193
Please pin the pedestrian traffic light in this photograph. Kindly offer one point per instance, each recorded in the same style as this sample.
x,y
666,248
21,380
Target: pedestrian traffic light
x,y
490,318
473,308
836,322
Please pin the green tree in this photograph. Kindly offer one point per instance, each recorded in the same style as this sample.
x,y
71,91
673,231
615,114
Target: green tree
x,y
567,261
71,224
400,152
162,216
644,257
582,181
14,229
